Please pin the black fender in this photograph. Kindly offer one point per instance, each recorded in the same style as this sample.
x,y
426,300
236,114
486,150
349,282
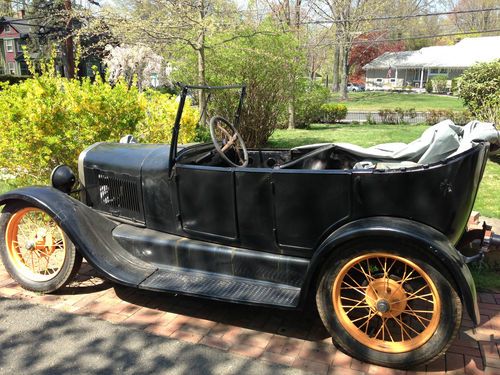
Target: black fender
x,y
433,242
90,232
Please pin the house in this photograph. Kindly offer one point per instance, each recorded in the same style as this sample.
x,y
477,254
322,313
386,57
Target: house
x,y
13,35
397,70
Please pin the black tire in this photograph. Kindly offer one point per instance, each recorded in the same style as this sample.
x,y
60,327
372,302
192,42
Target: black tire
x,y
70,266
444,329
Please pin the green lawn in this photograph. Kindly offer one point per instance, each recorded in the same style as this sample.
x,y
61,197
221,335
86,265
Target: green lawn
x,y
487,202
373,101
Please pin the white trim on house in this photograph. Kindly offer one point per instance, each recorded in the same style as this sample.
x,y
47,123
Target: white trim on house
x,y
9,45
12,68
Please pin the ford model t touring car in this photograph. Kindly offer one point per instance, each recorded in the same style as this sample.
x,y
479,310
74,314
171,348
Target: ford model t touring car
x,y
371,233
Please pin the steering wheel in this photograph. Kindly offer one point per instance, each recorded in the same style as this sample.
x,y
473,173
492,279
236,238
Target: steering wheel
x,y
225,137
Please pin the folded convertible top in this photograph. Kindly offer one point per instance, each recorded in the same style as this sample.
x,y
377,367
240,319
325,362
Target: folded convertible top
x,y
437,143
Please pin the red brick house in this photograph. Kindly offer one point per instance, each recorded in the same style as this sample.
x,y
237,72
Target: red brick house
x,y
13,35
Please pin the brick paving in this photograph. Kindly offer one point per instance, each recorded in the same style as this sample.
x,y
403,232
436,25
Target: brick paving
x,y
291,338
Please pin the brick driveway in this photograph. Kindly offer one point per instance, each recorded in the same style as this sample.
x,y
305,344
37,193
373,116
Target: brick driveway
x,y
292,338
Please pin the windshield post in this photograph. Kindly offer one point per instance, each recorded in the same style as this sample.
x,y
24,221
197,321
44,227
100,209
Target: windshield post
x,y
175,130
240,106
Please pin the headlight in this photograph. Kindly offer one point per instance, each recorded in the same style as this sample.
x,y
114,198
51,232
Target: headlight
x,y
63,178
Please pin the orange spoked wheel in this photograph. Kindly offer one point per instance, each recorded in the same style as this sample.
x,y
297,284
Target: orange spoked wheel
x,y
35,250
35,244
388,303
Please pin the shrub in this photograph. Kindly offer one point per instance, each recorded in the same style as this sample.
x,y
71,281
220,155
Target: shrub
x,y
454,86
266,64
48,120
439,83
370,119
396,115
333,112
458,117
309,103
160,112
479,89
428,87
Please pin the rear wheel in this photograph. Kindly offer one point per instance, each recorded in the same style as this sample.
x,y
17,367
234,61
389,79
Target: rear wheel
x,y
34,249
383,303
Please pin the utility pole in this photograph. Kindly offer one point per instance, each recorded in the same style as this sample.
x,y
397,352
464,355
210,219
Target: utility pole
x,y
70,58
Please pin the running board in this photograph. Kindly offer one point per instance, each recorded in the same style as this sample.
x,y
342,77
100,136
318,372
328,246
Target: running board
x,y
221,287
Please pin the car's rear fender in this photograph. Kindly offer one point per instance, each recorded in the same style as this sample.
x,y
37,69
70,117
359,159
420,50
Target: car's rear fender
x,y
434,243
90,231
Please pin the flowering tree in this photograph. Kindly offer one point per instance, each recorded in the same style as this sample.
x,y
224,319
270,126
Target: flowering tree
x,y
137,62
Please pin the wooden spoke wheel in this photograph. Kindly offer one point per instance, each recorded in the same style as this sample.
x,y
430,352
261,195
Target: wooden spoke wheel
x,y
35,250
388,304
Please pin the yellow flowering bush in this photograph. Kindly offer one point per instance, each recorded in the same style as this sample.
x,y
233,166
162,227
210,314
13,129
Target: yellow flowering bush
x,y
161,110
48,120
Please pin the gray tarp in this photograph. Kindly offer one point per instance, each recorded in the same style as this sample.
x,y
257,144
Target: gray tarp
x,y
439,142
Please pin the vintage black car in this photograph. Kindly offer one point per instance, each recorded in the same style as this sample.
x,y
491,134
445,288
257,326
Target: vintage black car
x,y
377,248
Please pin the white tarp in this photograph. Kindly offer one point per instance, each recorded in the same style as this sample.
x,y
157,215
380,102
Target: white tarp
x,y
437,143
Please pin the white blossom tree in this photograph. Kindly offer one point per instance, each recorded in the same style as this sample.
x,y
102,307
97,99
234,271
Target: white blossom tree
x,y
137,62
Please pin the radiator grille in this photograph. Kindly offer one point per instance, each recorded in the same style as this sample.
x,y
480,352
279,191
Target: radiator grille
x,y
117,194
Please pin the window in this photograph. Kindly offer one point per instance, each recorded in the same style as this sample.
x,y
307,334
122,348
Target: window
x,y
9,45
379,80
6,28
19,46
434,71
12,68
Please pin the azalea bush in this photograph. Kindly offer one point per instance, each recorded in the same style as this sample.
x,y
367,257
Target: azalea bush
x,y
48,120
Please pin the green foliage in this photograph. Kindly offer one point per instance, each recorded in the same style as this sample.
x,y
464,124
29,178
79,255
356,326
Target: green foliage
x,y
265,63
480,91
48,120
396,115
311,96
454,86
439,83
458,117
429,87
333,112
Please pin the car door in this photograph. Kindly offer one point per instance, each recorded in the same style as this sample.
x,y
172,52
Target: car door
x,y
206,200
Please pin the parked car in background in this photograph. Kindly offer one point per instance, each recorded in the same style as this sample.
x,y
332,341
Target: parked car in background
x,y
355,87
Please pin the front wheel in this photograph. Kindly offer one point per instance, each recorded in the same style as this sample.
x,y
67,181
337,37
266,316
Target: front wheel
x,y
34,249
383,303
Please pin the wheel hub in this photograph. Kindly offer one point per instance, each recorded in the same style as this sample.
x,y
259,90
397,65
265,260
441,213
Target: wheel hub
x,y
383,305
386,297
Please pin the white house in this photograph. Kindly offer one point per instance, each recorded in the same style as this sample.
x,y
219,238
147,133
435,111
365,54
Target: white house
x,y
395,70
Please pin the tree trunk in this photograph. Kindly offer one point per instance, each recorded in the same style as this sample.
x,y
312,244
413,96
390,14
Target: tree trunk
x,y
202,81
201,65
70,57
336,65
345,72
291,114
296,25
